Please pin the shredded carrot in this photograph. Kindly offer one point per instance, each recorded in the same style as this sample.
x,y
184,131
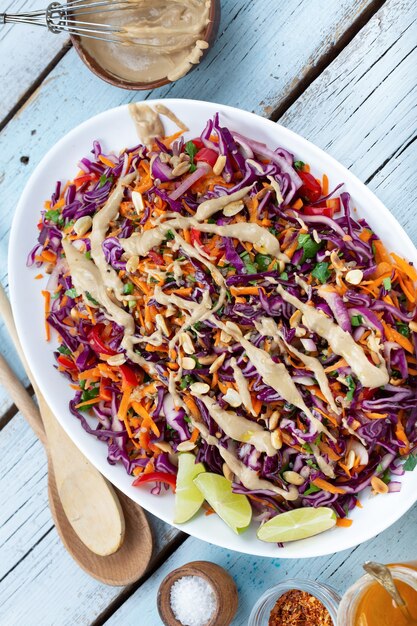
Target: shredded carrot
x,y
375,416
325,185
298,204
124,404
380,253
167,141
244,291
336,366
406,268
38,276
147,419
323,484
88,402
194,435
48,256
47,307
191,406
344,522
106,161
326,449
394,335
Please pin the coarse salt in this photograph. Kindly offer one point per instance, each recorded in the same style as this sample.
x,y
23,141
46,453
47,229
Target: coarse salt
x,y
192,601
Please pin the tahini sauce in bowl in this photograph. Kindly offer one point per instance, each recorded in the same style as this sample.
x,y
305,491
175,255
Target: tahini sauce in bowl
x,y
160,41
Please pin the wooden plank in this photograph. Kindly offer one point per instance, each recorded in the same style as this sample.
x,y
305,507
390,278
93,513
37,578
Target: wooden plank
x,y
25,52
241,26
8,351
56,591
362,108
254,576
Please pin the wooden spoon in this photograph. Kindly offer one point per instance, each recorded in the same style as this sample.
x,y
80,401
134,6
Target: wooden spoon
x,y
87,497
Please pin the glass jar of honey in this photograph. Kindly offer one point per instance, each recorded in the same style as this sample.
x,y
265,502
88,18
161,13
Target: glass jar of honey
x,y
366,603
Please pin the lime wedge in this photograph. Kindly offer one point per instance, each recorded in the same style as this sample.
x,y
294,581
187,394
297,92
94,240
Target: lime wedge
x,y
233,508
188,499
297,524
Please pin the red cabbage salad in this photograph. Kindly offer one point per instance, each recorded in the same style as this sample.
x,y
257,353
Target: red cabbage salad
x,y
214,296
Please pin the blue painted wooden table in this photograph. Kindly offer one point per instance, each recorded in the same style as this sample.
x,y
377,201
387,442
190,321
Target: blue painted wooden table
x,y
341,73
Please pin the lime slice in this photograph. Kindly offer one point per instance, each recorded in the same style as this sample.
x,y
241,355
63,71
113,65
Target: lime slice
x,y
188,499
233,508
297,524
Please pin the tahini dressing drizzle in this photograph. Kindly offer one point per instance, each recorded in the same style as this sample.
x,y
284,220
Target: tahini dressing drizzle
x,y
341,342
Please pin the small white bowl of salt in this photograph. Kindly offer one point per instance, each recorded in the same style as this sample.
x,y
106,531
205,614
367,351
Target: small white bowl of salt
x,y
197,594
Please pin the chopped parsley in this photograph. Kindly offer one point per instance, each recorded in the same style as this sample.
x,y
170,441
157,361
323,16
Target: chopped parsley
x,y
263,261
128,289
299,165
411,463
403,329
88,255
356,320
186,381
310,247
310,490
351,388
104,179
90,297
88,394
387,283
191,149
251,268
71,293
54,216
64,350
284,276
169,235
321,272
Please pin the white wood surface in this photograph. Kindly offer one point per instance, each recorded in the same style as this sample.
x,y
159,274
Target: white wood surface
x,y
360,109
25,52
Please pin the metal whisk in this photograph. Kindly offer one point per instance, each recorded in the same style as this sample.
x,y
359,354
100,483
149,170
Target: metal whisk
x,y
68,18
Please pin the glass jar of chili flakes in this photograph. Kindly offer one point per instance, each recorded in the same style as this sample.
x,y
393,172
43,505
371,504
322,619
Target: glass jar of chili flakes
x,y
295,603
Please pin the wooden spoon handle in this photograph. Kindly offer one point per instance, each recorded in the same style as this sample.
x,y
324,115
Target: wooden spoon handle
x,y
9,379
21,398
7,315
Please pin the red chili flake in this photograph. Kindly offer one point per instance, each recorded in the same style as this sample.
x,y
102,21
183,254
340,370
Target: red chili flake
x,y
299,608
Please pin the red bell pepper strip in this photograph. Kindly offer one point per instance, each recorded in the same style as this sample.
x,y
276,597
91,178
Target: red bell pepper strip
x,y
128,376
207,156
104,392
328,208
195,236
67,363
84,179
96,341
159,477
310,189
198,143
156,258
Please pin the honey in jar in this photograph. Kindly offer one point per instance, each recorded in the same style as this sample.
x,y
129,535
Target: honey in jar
x,y
367,603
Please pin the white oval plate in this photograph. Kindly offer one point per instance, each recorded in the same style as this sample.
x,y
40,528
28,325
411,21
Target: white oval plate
x,y
115,130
